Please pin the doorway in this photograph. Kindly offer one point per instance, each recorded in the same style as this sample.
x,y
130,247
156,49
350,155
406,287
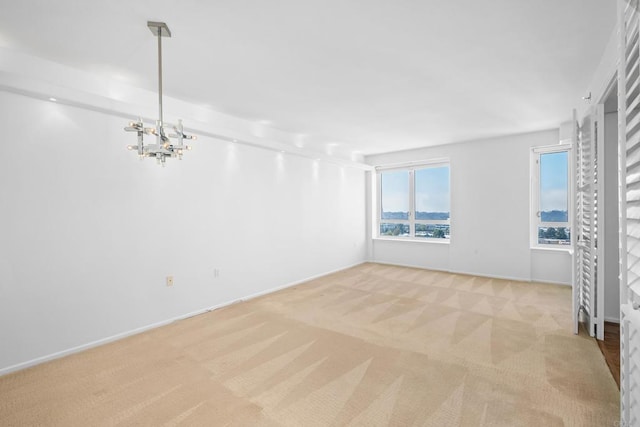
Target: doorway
x,y
609,233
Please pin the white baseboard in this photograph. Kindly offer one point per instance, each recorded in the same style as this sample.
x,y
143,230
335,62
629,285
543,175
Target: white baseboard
x,y
96,343
551,282
491,276
398,264
612,319
470,273
288,285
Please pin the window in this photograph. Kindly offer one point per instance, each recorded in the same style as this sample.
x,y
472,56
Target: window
x,y
414,202
551,213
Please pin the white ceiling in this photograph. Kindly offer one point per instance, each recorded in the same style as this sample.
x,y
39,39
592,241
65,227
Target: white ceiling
x,y
370,75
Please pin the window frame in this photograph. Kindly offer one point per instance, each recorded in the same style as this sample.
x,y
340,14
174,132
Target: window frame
x,y
411,168
535,213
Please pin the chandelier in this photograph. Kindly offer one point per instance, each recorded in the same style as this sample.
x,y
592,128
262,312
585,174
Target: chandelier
x,y
169,139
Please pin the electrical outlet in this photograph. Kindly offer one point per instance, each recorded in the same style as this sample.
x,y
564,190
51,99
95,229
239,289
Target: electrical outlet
x,y
169,280
216,273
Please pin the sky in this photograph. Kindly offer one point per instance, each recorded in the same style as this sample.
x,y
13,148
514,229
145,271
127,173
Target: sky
x,y
395,191
432,190
554,176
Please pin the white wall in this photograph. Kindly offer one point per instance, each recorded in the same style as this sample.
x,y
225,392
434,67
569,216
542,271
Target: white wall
x,y
490,213
89,232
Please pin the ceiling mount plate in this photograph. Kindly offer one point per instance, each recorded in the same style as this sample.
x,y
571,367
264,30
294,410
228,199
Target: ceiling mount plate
x,y
159,27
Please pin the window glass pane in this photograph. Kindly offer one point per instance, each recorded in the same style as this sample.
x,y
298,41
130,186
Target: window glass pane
x,y
432,193
395,195
394,229
432,231
554,175
554,235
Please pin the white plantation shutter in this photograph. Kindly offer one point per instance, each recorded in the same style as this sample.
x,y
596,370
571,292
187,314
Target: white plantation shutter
x,y
630,365
586,223
629,188
630,117
598,223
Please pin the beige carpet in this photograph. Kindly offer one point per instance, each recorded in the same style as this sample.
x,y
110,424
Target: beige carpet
x,y
373,345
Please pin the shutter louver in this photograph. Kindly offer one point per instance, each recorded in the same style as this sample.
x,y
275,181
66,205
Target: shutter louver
x,y
586,223
629,180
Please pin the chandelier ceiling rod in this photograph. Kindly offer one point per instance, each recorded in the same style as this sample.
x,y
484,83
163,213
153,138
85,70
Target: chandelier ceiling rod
x,y
158,26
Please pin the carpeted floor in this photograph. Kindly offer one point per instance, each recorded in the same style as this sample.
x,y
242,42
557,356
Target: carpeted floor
x,y
371,345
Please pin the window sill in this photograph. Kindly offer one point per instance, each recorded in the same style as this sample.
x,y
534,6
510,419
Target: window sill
x,y
413,240
568,249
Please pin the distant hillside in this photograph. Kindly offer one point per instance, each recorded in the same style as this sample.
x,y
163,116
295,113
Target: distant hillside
x,y
554,216
432,215
419,215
